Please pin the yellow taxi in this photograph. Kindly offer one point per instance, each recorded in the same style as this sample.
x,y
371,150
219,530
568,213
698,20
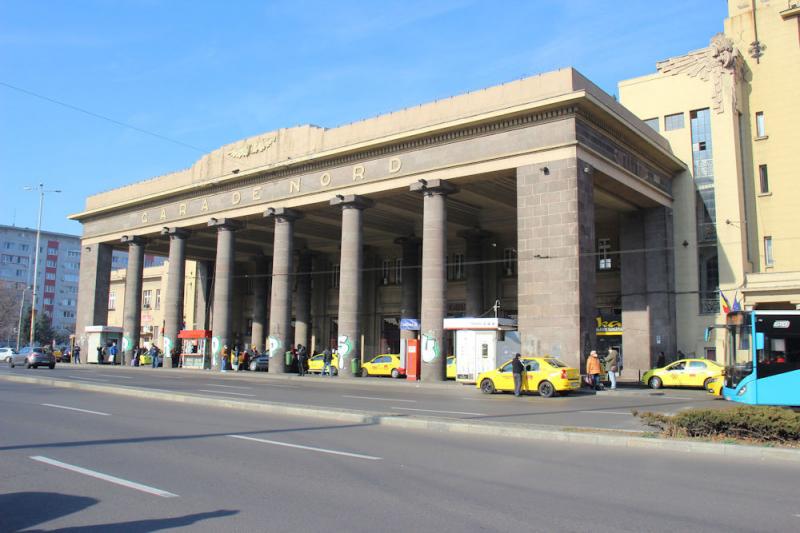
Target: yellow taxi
x,y
451,367
315,364
387,364
714,387
683,373
547,375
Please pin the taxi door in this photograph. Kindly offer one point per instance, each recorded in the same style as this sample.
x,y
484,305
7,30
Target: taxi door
x,y
695,374
384,365
673,375
533,375
504,379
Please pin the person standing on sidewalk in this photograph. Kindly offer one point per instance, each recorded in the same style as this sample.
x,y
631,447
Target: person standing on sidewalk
x,y
154,356
301,360
223,358
518,369
327,357
612,366
76,355
593,369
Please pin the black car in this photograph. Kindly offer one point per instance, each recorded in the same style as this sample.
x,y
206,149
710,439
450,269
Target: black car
x,y
260,363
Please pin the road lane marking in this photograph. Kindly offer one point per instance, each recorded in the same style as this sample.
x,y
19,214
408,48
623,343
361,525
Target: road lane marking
x,y
376,398
228,386
607,412
105,477
435,411
110,376
310,448
681,398
226,392
88,379
75,409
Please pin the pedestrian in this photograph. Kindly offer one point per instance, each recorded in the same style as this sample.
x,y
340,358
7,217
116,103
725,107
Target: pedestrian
x,y
76,355
154,356
112,353
593,369
301,360
327,358
612,366
226,353
175,355
662,361
518,369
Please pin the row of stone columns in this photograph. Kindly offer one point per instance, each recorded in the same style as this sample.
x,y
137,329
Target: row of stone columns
x,y
434,284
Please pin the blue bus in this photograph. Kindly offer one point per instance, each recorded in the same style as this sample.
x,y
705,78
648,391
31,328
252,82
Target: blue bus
x,y
762,357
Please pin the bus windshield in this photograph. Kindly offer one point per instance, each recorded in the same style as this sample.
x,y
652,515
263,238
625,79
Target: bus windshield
x,y
739,356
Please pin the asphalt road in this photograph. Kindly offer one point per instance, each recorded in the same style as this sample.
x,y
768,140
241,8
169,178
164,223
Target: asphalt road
x,y
607,410
179,467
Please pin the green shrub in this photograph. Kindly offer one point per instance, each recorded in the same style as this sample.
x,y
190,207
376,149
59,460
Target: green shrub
x,y
771,424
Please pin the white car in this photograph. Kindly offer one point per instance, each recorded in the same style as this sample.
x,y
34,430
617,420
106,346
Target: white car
x,y
9,356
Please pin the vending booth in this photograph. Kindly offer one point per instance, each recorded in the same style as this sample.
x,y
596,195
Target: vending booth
x,y
195,348
97,336
481,344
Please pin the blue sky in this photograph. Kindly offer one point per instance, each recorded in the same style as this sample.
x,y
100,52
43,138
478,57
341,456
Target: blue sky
x,y
208,73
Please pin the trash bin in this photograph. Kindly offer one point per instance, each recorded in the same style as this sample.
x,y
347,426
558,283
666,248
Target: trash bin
x,y
355,365
288,359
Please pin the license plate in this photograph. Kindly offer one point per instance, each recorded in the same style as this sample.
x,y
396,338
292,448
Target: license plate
x,y
574,384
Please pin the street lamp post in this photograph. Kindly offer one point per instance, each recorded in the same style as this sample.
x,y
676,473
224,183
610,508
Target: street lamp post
x,y
21,307
41,190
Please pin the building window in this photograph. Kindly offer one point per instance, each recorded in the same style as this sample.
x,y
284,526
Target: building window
x,y
386,270
50,276
335,276
20,272
50,288
763,178
673,122
652,122
398,270
769,260
509,262
73,253
112,300
51,263
761,129
69,314
456,267
52,251
603,248
72,278
24,247
158,298
147,297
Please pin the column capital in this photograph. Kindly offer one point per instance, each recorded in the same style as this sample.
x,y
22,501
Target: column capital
x,y
228,224
178,233
133,239
437,186
352,201
474,234
283,213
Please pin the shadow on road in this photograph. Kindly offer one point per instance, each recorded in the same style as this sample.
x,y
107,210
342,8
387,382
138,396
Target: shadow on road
x,y
145,526
20,510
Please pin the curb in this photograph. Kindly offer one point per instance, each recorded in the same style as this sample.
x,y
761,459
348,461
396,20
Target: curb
x,y
618,438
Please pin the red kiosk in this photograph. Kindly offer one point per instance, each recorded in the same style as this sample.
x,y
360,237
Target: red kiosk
x,y
195,348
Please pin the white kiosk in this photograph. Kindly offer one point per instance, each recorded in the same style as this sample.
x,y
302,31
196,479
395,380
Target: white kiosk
x,y
100,336
481,344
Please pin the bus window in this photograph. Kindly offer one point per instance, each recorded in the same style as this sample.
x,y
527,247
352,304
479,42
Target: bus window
x,y
780,354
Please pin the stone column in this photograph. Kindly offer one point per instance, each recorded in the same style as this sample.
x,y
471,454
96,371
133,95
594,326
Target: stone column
x,y
555,244
648,294
350,282
203,295
433,343
280,312
409,296
473,259
93,289
259,302
173,300
132,310
221,314
319,301
302,310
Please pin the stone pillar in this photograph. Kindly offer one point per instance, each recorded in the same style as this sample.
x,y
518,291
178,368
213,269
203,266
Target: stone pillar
x,y
93,288
648,294
302,310
203,295
409,297
221,314
132,310
259,302
319,301
280,312
473,259
433,343
555,245
173,301
350,280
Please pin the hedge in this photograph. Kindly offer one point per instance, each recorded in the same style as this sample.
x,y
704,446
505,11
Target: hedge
x,y
772,424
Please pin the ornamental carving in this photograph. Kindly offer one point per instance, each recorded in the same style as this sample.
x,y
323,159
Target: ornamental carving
x,y
246,149
721,58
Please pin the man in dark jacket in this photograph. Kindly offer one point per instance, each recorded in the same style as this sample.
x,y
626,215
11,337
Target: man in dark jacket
x,y
518,369
327,357
302,353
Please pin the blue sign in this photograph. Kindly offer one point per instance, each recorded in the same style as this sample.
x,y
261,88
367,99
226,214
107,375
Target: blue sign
x,y
409,324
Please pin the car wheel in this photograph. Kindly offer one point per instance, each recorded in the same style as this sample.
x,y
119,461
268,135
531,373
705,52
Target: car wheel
x,y
253,366
28,365
487,386
9,360
51,366
546,389
11,363
655,382
364,373
334,371
395,373
707,382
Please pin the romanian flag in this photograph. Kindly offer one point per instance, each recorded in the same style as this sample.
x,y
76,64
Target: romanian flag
x,y
726,305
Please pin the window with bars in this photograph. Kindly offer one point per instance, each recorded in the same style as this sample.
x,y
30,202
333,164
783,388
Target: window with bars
x,y
509,262
604,262
147,297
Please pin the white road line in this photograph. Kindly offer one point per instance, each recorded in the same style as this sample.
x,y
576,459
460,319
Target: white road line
x,y
225,392
679,398
607,412
376,398
228,386
435,411
105,477
88,379
75,409
311,448
110,376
